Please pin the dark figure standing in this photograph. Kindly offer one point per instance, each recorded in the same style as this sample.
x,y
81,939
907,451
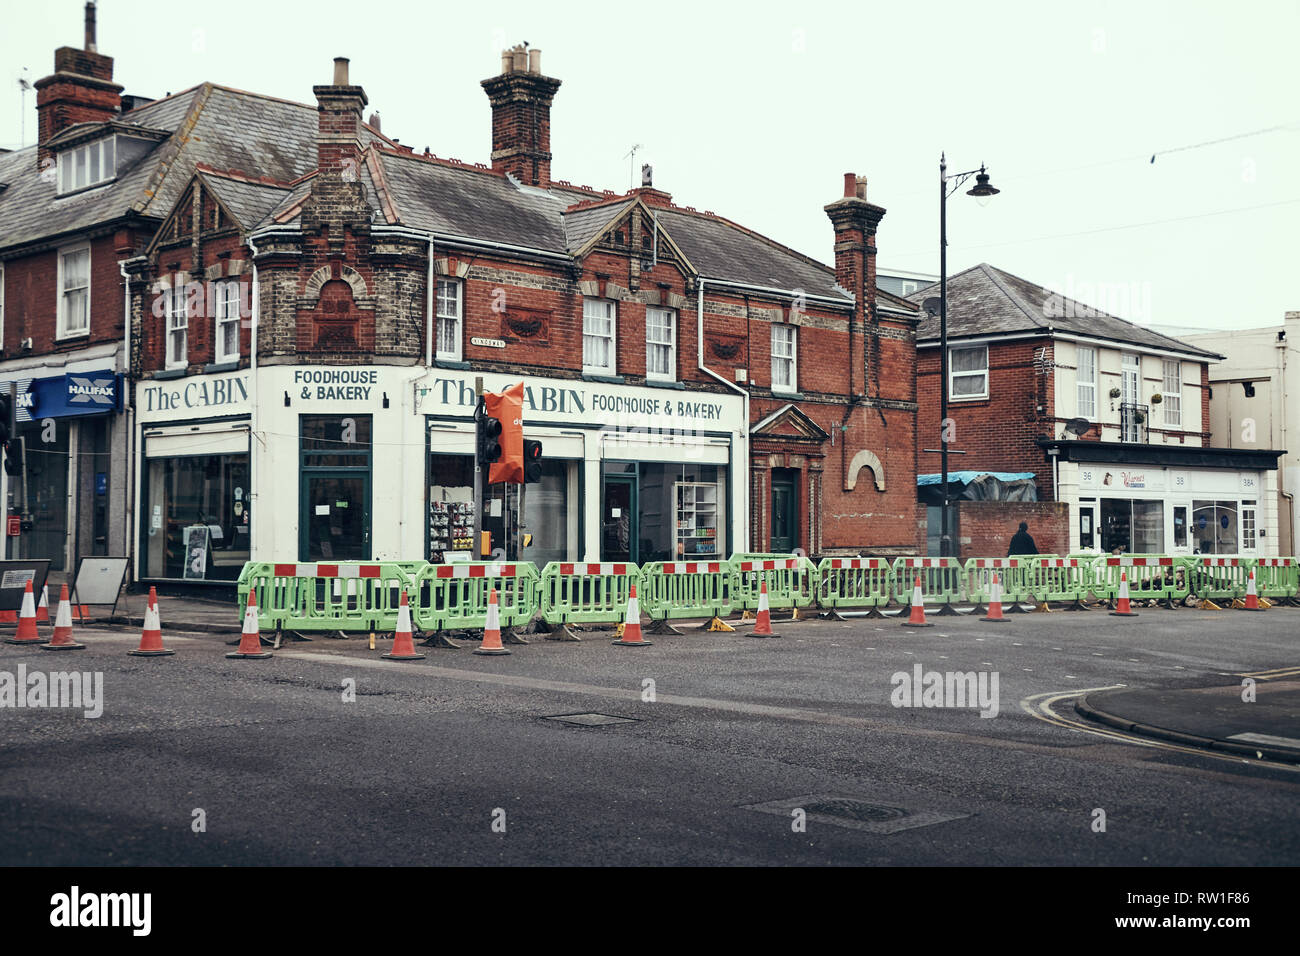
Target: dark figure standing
x,y
1022,542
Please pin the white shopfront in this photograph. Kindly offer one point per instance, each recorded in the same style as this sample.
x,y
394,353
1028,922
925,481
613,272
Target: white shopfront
x,y
1160,509
321,463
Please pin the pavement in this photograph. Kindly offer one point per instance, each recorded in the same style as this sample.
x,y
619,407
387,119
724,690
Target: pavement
x,y
1256,716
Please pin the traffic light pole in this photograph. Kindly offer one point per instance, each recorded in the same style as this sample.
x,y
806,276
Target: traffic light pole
x,y
4,479
475,545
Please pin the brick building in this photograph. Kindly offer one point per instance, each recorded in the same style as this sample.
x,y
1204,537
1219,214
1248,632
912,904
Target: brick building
x,y
698,388
1102,424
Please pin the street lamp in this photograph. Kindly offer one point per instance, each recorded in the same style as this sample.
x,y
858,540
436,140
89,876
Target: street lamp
x,y
982,191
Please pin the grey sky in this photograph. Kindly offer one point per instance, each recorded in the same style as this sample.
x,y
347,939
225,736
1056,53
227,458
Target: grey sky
x,y
756,110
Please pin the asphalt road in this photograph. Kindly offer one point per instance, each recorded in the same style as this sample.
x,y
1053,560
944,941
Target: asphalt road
x,y
431,754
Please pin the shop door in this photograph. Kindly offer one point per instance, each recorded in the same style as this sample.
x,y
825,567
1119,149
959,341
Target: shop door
x,y
785,514
335,520
618,520
1087,527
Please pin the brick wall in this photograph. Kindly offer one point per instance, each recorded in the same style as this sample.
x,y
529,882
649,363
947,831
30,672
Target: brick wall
x,y
985,528
997,433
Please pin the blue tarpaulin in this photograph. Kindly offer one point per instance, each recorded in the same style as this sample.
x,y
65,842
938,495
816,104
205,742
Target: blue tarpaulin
x,y
965,477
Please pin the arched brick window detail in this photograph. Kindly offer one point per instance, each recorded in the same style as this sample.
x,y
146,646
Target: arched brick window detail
x,y
336,311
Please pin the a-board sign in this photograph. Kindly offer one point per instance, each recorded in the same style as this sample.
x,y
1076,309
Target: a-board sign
x,y
14,576
196,538
99,579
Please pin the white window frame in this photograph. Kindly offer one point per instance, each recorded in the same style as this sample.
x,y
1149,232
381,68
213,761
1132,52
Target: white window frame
x,y
455,317
1250,508
227,314
63,331
610,315
1172,390
89,164
1087,387
178,322
669,316
779,331
954,375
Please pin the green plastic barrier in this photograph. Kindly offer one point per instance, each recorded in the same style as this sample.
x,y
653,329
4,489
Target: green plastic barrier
x,y
1151,577
791,580
1218,578
671,590
455,596
943,580
854,582
1051,578
577,593
1277,577
1013,576
360,596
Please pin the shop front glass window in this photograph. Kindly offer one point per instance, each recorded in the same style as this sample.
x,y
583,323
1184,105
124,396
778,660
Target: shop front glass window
x,y
196,518
680,512
1148,527
1214,527
40,493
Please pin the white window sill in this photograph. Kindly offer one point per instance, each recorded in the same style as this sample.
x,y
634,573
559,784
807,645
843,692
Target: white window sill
x,y
605,372
68,336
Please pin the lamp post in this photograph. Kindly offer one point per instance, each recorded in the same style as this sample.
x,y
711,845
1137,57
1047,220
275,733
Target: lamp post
x,y
981,190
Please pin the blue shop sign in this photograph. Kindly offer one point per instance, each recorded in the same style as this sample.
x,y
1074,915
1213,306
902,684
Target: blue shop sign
x,y
72,394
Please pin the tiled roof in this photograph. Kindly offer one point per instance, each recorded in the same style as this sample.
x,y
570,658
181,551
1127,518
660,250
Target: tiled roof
x,y
221,127
248,202
985,300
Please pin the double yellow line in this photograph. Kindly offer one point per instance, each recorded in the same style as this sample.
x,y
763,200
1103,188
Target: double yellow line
x,y
1040,706
1275,674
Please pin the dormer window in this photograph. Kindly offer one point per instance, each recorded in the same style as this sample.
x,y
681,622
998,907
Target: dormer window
x,y
87,165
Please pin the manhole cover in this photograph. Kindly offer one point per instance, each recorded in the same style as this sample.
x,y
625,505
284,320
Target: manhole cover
x,y
856,810
855,813
591,720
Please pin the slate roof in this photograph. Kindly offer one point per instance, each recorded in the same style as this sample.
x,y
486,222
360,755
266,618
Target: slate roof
x,y
583,225
219,126
985,300
248,202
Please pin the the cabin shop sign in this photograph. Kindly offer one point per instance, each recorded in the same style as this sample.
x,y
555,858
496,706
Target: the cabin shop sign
x,y
204,395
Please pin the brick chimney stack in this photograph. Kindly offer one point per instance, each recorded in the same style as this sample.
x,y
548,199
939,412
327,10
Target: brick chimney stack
x,y
855,221
521,116
338,137
80,90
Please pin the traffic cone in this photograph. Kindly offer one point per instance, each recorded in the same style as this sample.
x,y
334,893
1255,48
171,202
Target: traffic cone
x,y
492,630
763,623
250,642
151,644
26,633
995,603
1252,595
1122,607
43,609
62,640
917,617
403,646
632,624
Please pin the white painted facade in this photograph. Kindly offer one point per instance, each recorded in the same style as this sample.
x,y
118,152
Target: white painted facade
x,y
1255,403
416,412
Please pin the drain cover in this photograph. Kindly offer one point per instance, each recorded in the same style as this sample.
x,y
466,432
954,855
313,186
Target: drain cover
x,y
858,810
591,720
856,813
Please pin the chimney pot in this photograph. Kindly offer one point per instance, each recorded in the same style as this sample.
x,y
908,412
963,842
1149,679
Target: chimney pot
x,y
506,61
862,187
90,27
534,61
373,122
341,71
647,175
519,60
850,185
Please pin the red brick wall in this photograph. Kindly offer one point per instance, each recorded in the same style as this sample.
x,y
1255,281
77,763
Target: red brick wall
x,y
985,528
997,433
32,297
